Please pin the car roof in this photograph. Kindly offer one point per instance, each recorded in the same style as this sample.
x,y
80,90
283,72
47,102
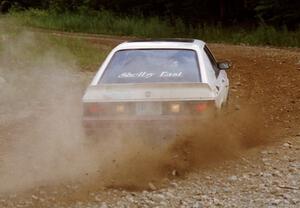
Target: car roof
x,y
177,43
186,40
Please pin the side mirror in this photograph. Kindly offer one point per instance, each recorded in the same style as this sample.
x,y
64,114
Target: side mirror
x,y
223,65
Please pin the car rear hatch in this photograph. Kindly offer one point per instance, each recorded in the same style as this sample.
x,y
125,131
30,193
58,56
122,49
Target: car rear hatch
x,y
148,92
146,100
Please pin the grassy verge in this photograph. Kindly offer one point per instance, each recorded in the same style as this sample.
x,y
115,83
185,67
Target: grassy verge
x,y
18,45
107,23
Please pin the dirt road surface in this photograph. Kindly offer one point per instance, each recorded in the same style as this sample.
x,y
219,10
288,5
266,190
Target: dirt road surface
x,y
253,162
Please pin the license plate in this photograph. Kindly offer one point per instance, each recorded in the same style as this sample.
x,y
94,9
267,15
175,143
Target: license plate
x,y
148,109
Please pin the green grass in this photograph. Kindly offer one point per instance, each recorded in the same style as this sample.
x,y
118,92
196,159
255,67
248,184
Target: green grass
x,y
108,23
101,23
87,55
22,46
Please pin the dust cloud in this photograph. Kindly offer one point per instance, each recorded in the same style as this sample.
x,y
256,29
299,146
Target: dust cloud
x,y
42,141
41,135
154,156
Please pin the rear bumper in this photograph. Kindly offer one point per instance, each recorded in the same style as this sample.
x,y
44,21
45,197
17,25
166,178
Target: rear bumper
x,y
150,122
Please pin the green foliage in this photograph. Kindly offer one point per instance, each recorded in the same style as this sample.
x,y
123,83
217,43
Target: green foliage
x,y
101,22
192,12
105,22
279,13
86,54
36,45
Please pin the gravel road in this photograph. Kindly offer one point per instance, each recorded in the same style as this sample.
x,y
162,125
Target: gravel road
x,y
264,173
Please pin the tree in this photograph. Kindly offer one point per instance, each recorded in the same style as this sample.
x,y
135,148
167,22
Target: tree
x,y
191,12
279,13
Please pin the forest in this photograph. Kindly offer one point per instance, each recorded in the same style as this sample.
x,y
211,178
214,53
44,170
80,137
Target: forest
x,y
226,12
266,22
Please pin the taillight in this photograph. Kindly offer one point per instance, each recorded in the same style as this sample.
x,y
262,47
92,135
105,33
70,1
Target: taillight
x,y
102,108
94,108
200,107
120,108
174,107
187,107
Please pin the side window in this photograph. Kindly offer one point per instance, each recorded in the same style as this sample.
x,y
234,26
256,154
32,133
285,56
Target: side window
x,y
210,69
212,61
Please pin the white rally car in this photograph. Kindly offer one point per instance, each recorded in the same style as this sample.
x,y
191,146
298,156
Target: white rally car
x,y
155,80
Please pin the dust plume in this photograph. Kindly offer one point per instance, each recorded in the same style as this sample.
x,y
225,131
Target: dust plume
x,y
42,140
153,156
41,136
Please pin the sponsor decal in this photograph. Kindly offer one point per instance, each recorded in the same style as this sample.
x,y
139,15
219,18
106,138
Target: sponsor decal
x,y
147,75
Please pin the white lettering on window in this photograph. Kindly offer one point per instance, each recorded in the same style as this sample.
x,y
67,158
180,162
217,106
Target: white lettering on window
x,y
171,74
145,75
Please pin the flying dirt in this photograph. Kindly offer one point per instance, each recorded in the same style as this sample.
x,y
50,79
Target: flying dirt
x,y
42,143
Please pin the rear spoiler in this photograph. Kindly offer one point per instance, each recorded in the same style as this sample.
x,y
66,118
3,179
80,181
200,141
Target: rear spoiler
x,y
148,92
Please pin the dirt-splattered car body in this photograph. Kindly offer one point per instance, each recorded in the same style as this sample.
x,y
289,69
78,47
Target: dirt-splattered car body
x,y
162,80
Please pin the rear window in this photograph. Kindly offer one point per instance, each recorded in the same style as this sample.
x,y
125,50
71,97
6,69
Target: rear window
x,y
152,65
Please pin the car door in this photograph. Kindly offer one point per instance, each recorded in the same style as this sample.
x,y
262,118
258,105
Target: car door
x,y
221,81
